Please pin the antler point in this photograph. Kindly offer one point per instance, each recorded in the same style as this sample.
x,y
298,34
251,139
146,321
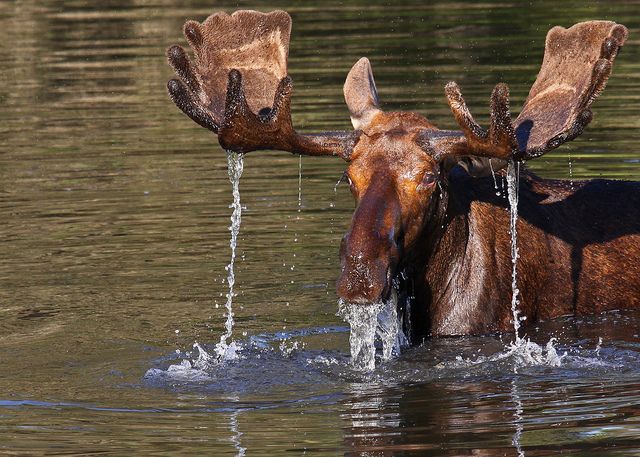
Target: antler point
x,y
193,33
173,86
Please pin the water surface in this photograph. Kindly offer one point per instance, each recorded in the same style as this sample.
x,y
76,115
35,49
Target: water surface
x,y
114,242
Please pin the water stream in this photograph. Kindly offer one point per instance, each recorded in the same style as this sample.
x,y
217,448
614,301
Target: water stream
x,y
363,321
495,182
523,348
224,350
299,183
371,324
513,182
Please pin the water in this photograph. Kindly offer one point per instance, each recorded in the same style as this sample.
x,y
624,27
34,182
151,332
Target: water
x,y
115,208
513,188
493,176
362,322
371,324
529,351
235,167
299,183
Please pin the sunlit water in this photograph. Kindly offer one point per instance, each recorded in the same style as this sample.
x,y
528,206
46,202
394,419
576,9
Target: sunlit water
x,y
114,243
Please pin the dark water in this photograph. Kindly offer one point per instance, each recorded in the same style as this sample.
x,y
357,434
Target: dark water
x,y
114,240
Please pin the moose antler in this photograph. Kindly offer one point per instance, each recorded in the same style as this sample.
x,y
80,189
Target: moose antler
x,y
577,63
239,88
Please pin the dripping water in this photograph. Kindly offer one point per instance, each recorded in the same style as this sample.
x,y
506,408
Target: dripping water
x,y
235,162
493,175
373,323
363,320
299,183
513,185
295,235
522,347
570,171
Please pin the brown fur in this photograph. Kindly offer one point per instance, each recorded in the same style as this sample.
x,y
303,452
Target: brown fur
x,y
574,259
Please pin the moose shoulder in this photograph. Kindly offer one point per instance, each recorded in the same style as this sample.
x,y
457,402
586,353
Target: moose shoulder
x,y
427,215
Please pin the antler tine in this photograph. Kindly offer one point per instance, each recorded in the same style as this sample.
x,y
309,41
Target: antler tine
x,y
501,130
179,61
499,141
461,113
186,91
187,102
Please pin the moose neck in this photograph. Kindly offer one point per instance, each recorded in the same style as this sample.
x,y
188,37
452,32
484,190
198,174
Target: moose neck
x,y
465,289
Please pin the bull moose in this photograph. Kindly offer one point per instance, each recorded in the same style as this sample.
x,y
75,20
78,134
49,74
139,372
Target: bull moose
x,y
426,205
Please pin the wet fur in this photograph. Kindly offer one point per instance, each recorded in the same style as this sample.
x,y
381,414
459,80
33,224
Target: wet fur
x,y
579,248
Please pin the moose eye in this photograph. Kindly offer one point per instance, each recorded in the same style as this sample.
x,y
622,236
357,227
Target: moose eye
x,y
428,179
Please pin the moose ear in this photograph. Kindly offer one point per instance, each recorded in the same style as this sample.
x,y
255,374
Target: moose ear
x,y
360,94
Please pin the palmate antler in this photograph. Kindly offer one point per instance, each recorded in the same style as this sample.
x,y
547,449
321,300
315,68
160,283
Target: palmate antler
x,y
239,87
577,63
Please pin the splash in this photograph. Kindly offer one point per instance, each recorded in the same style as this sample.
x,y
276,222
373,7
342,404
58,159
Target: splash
x,y
224,350
519,354
363,320
513,184
527,353
369,324
389,328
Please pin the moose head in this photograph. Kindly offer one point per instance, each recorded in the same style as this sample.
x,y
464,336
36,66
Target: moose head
x,y
398,163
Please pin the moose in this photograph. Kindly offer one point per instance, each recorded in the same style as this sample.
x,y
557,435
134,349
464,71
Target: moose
x,y
426,207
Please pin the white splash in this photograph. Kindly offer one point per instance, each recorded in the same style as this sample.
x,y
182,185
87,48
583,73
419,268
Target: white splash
x,y
363,321
521,353
225,351
378,322
389,328
527,353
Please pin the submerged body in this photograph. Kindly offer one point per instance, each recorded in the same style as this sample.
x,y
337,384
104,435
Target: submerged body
x,y
578,243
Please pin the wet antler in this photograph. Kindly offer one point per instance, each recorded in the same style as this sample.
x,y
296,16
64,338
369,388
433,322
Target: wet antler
x,y
239,88
577,63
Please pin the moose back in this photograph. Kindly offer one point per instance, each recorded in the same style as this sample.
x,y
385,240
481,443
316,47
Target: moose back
x,y
426,207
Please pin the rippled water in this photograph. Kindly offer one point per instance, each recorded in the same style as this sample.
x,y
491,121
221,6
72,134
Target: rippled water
x,y
114,242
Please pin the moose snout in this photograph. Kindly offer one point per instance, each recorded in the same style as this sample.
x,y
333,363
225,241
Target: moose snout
x,y
367,269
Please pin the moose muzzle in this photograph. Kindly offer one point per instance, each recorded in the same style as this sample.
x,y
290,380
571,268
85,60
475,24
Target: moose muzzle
x,y
370,251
